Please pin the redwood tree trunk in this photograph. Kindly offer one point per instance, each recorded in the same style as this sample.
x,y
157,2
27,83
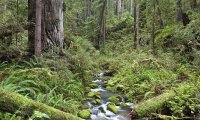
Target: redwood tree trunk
x,y
31,27
193,4
179,11
52,24
53,29
38,28
118,7
102,26
135,25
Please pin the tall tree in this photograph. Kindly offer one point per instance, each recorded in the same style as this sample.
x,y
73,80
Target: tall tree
x,y
179,11
153,28
102,25
31,27
38,28
135,25
160,21
193,4
118,7
52,24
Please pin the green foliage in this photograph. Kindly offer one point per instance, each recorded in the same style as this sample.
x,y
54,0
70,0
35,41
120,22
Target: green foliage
x,y
85,114
38,115
112,108
186,102
9,116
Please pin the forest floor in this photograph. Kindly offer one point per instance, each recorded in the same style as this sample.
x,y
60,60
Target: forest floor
x,y
161,86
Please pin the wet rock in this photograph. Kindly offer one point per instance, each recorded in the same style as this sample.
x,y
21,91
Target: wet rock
x,y
84,106
96,102
93,85
94,95
123,105
85,114
87,89
102,110
114,99
111,107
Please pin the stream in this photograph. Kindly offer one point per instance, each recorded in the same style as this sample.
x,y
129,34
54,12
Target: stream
x,y
97,114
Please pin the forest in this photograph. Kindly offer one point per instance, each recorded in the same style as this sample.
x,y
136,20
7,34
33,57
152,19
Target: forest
x,y
100,59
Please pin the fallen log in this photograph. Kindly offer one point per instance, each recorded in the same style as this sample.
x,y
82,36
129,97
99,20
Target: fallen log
x,y
151,105
12,102
147,107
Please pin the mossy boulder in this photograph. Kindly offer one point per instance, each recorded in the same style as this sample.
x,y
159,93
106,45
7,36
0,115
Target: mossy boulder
x,y
94,94
93,85
87,89
84,106
123,105
85,114
111,107
114,99
96,102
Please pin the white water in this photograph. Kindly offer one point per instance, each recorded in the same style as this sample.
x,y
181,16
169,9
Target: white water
x,y
97,114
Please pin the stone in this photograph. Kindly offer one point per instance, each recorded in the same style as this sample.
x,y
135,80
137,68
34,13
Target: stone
x,y
111,107
85,114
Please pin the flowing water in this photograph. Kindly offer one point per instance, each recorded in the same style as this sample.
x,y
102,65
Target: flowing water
x,y
107,115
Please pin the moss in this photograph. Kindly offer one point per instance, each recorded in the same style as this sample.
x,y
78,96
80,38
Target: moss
x,y
96,102
93,85
94,94
151,105
85,114
87,89
114,99
109,88
84,106
12,102
123,105
111,107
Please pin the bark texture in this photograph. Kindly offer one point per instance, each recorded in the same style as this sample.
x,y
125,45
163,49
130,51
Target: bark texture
x,y
38,28
52,24
53,29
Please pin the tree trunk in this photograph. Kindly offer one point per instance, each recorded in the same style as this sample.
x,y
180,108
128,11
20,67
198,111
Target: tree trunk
x,y
179,12
131,7
31,27
53,28
118,7
144,108
153,28
193,4
38,28
135,25
52,24
13,102
88,8
102,25
160,21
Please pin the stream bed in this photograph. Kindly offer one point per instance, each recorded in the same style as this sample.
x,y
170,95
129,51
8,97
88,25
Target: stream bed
x,y
105,114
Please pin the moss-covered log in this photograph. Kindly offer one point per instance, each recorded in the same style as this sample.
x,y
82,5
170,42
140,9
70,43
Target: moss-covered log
x,y
12,102
151,105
